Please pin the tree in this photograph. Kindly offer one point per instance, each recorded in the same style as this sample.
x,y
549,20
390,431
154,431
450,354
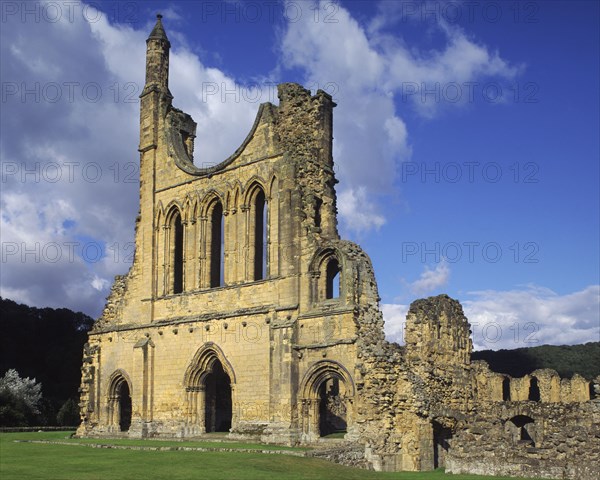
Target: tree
x,y
45,344
68,415
19,399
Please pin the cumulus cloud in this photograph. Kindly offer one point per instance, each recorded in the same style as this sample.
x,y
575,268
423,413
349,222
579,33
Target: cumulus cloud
x,y
394,316
369,71
533,316
522,317
69,173
358,211
431,280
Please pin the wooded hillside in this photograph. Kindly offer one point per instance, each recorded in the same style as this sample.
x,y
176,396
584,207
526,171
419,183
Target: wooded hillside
x,y
45,344
565,359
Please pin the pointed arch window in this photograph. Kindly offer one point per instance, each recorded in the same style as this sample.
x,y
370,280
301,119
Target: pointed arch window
x,y
328,278
332,279
217,246
176,253
259,235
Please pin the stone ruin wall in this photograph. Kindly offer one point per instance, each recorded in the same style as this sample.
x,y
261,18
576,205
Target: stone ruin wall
x,y
562,441
426,405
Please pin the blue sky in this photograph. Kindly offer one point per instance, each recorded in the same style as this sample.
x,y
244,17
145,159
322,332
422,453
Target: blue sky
x,y
466,143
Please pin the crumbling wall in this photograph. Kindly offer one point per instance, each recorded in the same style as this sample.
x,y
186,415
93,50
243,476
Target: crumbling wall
x,y
530,439
426,405
404,390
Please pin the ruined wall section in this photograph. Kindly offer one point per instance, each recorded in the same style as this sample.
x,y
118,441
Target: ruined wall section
x,y
383,383
305,133
530,439
438,348
542,385
426,405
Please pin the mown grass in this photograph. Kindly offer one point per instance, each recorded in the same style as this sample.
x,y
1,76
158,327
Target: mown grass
x,y
33,461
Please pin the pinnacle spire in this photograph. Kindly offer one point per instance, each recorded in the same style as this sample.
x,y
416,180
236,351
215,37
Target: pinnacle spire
x,y
158,32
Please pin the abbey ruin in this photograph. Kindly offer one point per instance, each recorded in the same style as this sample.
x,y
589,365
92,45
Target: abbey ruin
x,y
244,312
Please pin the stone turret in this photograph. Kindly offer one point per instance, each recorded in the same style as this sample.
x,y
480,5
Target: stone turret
x,y
157,59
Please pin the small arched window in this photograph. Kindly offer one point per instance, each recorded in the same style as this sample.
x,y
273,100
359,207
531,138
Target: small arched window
x,y
506,389
534,390
217,247
332,279
176,253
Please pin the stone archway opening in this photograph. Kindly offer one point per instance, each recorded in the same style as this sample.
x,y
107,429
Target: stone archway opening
x,y
124,405
523,430
325,404
441,444
506,389
332,407
217,403
534,390
119,403
210,384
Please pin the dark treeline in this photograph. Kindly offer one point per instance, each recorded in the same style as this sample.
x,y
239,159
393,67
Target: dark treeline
x,y
565,359
45,344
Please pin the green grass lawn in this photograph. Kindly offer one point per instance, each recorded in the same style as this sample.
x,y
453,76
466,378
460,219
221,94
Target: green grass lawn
x,y
32,461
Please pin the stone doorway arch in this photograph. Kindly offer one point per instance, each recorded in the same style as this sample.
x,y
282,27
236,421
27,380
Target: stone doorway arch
x,y
326,403
217,399
442,435
119,402
209,383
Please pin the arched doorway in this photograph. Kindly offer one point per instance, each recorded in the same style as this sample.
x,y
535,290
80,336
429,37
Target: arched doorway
x,y
119,402
325,401
217,399
522,429
332,407
209,383
441,444
124,403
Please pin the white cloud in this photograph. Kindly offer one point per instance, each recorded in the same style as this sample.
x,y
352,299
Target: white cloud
x,y
533,316
357,211
431,280
517,318
370,71
100,283
394,316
